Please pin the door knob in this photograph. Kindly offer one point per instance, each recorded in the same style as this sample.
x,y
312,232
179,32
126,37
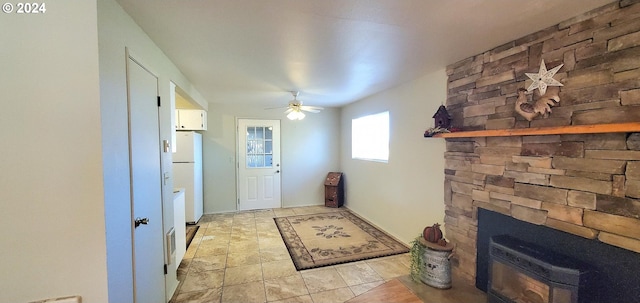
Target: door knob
x,y
139,221
277,171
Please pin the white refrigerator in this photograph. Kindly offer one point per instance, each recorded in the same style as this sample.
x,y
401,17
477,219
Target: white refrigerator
x,y
187,172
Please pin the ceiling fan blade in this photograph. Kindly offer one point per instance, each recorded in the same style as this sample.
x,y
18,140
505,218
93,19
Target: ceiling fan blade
x,y
315,111
279,107
311,109
288,110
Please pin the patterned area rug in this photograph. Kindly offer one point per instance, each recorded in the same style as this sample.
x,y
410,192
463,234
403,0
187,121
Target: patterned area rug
x,y
330,238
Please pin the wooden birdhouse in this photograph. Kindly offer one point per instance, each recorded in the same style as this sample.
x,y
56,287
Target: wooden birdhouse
x,y
442,118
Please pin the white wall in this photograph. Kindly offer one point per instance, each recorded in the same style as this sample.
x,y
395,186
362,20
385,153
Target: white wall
x,y
52,222
310,149
406,194
116,30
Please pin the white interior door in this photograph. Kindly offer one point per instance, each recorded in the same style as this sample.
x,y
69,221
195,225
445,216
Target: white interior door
x,y
146,187
258,164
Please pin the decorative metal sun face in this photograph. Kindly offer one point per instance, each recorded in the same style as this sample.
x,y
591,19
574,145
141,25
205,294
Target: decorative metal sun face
x,y
544,78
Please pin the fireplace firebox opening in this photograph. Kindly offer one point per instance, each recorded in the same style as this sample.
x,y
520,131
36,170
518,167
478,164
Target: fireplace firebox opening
x,y
521,272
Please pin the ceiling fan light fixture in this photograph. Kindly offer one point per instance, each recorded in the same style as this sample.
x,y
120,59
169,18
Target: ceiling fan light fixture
x,y
296,114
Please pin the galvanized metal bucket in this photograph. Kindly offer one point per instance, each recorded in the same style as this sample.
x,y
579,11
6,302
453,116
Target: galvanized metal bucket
x,y
437,267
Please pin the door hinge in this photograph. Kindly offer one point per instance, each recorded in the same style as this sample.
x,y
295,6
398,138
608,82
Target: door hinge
x,y
238,201
158,101
165,269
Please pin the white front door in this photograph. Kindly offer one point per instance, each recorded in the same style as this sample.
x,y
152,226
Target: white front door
x,y
146,188
258,164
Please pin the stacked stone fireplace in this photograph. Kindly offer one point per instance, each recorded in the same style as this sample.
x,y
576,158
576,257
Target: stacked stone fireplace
x,y
582,185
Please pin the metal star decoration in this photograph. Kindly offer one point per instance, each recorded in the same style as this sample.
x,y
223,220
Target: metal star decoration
x,y
544,78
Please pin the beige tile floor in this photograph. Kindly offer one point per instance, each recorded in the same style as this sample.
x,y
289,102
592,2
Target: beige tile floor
x,y
240,257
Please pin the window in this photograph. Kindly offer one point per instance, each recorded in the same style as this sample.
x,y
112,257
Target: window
x,y
259,147
370,137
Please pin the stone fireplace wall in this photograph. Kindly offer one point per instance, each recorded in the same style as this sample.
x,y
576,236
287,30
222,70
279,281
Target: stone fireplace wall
x,y
587,185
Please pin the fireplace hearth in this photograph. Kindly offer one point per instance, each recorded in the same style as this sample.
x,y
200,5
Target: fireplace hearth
x,y
521,272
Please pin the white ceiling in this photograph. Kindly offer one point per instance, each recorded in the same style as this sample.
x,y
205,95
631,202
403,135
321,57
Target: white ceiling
x,y
333,51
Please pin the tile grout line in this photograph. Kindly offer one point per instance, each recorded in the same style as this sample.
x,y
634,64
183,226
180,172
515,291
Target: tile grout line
x,y
226,260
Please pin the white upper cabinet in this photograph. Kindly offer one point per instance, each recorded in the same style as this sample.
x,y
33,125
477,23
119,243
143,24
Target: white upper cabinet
x,y
191,119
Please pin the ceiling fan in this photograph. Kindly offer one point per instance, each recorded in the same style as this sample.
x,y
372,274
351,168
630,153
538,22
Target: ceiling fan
x,y
295,108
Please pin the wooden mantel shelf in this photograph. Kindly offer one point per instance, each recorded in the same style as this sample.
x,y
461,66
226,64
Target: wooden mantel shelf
x,y
556,130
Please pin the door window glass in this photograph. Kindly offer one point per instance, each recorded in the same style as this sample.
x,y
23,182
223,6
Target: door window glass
x,y
259,147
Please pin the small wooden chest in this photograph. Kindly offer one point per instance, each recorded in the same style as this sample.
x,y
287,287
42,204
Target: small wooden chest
x,y
334,190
